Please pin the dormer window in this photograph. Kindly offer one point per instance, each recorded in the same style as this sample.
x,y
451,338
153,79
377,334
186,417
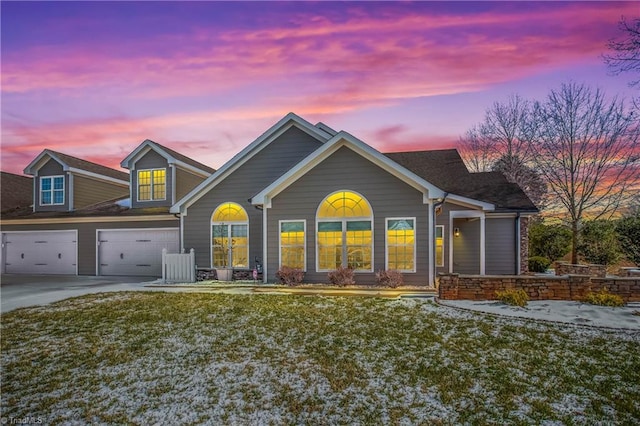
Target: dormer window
x,y
152,185
51,190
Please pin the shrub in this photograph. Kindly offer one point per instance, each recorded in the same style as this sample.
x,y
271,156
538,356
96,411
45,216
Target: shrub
x,y
628,230
603,298
513,297
538,264
341,277
290,276
599,242
550,241
389,278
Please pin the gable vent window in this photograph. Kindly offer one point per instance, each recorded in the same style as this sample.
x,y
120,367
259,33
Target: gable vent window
x,y
51,190
152,185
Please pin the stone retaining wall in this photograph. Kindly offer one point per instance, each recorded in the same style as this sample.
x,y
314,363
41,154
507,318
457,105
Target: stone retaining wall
x,y
538,287
565,268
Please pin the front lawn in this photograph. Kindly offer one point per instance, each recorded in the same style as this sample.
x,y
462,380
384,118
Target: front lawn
x,y
164,358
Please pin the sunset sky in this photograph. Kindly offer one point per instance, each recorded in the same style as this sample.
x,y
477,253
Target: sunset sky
x,y
94,79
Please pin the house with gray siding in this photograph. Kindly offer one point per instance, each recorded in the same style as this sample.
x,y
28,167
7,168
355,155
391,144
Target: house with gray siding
x,y
82,218
301,195
309,197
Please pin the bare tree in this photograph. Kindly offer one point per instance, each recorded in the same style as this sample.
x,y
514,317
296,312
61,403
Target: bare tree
x,y
515,170
503,142
587,151
625,53
476,151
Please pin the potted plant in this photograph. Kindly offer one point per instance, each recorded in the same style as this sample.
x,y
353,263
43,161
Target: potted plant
x,y
225,271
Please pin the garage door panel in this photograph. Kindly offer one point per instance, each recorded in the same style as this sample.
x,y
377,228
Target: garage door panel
x,y
41,252
135,251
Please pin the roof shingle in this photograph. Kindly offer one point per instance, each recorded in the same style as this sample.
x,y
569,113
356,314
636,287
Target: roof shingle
x,y
446,169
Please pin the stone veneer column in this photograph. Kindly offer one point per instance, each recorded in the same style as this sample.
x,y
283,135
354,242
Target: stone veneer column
x,y
524,245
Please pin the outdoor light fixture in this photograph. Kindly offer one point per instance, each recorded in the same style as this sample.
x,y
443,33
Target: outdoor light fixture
x,y
456,232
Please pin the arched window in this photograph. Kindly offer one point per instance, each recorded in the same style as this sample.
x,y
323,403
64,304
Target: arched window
x,y
230,236
344,232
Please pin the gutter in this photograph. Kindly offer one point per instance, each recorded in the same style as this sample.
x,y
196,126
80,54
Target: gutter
x,y
433,236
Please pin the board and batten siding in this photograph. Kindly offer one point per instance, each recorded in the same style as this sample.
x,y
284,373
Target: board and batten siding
x,y
151,160
51,168
88,191
250,178
387,195
185,182
87,236
500,248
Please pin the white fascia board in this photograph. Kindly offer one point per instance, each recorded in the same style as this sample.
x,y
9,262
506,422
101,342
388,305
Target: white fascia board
x,y
470,202
96,176
345,139
135,155
247,153
149,145
189,168
33,167
327,129
88,219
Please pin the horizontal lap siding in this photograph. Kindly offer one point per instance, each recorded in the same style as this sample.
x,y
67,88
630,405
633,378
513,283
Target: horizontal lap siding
x,y
87,236
185,182
466,247
87,191
346,170
500,246
249,179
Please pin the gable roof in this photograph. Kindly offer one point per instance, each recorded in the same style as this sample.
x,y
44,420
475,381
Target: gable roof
x,y
341,139
446,169
17,191
74,164
173,157
250,151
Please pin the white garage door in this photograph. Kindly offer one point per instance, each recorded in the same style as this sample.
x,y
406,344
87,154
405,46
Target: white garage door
x,y
135,251
40,252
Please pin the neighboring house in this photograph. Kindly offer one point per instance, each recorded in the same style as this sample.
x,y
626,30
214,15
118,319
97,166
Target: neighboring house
x,y
309,197
300,195
89,219
17,191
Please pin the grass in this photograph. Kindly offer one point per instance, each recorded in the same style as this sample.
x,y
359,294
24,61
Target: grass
x,y
141,358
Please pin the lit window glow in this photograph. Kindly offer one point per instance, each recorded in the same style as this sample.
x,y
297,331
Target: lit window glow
x,y
152,185
345,236
401,244
230,236
292,244
440,245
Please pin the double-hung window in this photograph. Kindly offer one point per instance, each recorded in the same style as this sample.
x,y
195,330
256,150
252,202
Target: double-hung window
x,y
152,185
401,244
52,190
292,244
440,245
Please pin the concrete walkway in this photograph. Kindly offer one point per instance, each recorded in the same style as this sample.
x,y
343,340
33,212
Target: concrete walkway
x,y
21,291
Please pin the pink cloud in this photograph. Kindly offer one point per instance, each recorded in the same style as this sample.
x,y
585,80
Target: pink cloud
x,y
378,51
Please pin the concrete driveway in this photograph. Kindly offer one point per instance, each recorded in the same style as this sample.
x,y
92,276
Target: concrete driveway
x,y
19,291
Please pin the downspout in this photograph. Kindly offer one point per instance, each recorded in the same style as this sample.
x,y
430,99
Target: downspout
x,y
518,242
433,233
